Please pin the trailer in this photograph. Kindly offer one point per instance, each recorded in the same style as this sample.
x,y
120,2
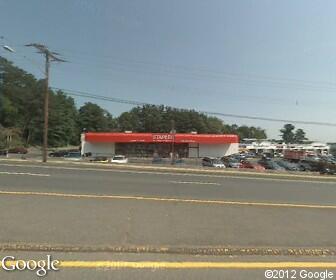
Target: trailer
x,y
294,155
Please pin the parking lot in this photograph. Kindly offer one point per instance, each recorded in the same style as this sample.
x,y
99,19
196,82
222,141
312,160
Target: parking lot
x,y
262,163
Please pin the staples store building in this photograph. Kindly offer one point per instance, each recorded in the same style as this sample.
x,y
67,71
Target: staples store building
x,y
158,144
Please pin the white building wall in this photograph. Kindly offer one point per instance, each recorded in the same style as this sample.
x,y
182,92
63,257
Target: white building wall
x,y
217,150
98,149
193,150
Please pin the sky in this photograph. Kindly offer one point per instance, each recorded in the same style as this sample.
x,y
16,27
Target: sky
x,y
271,59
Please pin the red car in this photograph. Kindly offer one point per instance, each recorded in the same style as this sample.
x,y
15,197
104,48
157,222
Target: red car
x,y
250,165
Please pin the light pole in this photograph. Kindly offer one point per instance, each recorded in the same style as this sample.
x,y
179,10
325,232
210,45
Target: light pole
x,y
8,48
173,131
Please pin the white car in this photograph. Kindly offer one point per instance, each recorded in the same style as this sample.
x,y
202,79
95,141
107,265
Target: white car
x,y
212,162
218,164
119,159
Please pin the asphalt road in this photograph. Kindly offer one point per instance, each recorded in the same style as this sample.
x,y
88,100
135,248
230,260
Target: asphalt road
x,y
76,210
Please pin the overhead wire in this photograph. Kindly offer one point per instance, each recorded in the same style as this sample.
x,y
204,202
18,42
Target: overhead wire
x,y
196,74
318,85
139,103
228,77
199,73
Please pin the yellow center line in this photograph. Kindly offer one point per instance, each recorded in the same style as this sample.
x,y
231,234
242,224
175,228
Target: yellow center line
x,y
160,199
188,265
194,265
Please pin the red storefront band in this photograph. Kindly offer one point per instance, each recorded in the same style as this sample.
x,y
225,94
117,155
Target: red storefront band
x,y
122,137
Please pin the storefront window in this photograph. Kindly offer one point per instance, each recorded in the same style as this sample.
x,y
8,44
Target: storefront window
x,y
161,150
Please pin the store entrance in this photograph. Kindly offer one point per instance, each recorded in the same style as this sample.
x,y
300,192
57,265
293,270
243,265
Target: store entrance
x,y
161,150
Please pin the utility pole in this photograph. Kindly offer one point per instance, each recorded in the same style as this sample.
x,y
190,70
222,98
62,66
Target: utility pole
x,y
173,131
49,57
46,110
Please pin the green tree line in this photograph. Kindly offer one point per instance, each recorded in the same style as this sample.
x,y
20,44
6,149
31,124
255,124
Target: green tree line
x,y
290,136
21,115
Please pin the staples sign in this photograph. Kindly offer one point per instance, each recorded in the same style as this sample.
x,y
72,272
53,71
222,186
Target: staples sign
x,y
162,137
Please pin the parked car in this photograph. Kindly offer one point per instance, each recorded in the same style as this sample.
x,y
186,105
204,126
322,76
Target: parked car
x,y
328,171
73,156
60,153
212,162
305,166
119,159
323,167
238,157
267,156
329,159
99,159
231,162
63,153
241,155
3,153
288,165
270,164
314,158
250,165
18,150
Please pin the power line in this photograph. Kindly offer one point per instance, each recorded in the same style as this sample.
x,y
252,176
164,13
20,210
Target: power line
x,y
201,73
138,103
100,97
217,76
194,73
199,70
242,80
245,81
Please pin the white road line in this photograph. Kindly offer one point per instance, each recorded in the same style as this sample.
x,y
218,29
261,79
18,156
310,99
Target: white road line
x,y
237,177
166,199
194,183
23,173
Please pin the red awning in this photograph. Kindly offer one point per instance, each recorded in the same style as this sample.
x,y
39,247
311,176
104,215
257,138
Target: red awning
x,y
102,137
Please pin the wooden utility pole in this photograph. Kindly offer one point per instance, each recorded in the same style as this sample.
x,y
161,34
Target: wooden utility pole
x,y
46,110
49,56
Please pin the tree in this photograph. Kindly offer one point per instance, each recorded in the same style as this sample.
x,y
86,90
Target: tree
x,y
214,125
63,116
158,119
151,118
92,117
20,100
21,110
287,133
112,123
299,136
